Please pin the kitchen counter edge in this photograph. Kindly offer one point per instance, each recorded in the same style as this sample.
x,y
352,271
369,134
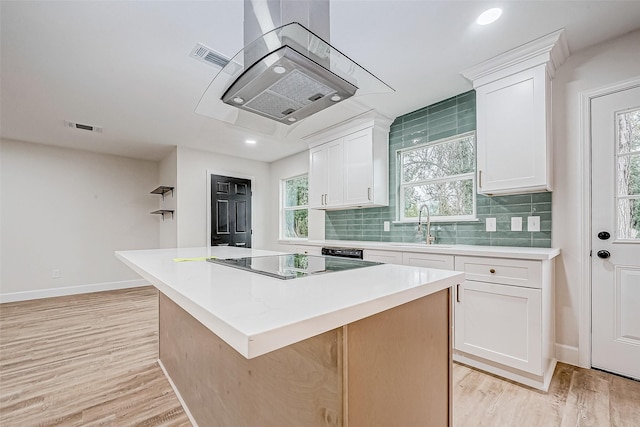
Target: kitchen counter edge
x,y
513,252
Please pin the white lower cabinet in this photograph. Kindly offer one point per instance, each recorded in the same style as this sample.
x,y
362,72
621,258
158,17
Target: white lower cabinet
x,y
500,323
504,315
504,318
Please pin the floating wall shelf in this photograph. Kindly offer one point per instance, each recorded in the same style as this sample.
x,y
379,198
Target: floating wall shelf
x,y
163,212
162,190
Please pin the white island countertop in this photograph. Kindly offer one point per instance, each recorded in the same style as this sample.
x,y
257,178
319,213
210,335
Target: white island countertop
x,y
256,314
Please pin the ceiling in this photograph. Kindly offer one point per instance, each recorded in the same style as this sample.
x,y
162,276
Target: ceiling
x,y
124,65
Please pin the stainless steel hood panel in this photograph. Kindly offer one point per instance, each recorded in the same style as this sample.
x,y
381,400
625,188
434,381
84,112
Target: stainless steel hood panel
x,y
287,86
323,66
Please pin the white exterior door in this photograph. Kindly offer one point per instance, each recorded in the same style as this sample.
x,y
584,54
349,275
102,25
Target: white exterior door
x,y
615,240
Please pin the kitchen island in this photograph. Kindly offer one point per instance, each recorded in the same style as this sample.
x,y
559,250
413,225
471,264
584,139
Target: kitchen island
x,y
363,347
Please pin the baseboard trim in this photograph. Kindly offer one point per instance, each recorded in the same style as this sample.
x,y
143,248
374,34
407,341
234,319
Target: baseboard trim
x,y
71,290
175,390
567,354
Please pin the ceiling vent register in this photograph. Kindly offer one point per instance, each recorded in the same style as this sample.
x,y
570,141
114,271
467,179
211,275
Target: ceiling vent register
x,y
80,126
209,56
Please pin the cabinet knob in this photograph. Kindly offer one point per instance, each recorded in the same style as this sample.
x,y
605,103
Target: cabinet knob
x,y
492,271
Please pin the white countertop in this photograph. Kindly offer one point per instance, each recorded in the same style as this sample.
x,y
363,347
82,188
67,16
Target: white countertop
x,y
256,314
512,252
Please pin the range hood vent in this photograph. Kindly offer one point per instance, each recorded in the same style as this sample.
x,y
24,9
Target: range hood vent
x,y
287,86
286,75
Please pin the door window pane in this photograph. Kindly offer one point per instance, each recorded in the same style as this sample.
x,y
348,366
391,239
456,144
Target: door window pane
x,y
629,219
629,175
628,131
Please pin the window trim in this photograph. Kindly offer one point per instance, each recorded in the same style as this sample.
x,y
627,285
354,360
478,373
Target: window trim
x,y
284,209
400,189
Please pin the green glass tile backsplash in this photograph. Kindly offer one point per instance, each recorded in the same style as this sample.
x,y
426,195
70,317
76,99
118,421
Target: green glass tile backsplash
x,y
447,118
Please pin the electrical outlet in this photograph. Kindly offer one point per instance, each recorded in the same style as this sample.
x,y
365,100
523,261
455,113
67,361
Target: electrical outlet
x,y
516,223
533,223
386,225
491,224
55,273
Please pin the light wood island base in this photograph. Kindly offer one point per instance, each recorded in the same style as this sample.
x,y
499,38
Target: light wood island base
x,y
392,368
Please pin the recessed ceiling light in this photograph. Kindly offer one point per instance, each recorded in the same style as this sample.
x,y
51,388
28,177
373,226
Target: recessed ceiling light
x,y
238,100
291,119
489,16
279,69
336,98
250,141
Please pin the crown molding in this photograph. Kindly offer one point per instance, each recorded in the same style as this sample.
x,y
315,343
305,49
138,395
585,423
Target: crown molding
x,y
550,50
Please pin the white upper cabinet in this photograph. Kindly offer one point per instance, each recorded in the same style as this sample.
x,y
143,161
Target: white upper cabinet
x,y
349,164
513,110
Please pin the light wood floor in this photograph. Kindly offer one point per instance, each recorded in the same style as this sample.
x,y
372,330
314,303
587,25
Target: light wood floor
x,y
84,360
91,360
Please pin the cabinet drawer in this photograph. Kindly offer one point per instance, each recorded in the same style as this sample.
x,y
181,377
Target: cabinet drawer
x,y
387,257
444,262
515,272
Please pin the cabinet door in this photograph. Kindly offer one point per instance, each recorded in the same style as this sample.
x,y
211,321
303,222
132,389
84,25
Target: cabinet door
x,y
500,323
335,170
358,167
387,257
318,169
512,133
444,262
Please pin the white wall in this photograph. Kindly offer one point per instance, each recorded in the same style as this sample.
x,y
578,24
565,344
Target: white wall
x,y
70,210
192,197
291,166
587,70
168,176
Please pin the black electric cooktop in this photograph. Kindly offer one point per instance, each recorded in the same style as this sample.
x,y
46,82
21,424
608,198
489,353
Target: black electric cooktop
x,y
292,266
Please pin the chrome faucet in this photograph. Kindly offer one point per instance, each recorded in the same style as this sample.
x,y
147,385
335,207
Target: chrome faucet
x,y
429,239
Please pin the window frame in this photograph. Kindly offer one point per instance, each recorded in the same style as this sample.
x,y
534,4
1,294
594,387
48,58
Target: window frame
x,y
401,187
284,209
616,168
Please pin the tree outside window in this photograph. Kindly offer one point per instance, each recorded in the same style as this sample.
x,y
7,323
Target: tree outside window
x,y
628,174
441,175
295,208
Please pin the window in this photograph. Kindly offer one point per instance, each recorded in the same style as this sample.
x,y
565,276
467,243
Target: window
x,y
295,210
441,175
628,174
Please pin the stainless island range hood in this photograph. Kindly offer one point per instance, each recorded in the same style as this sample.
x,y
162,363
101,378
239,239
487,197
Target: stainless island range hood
x,y
286,71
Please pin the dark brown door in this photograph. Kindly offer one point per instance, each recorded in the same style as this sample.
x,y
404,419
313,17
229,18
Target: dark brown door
x,y
231,211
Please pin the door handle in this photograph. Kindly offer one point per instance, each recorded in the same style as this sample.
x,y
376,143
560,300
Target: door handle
x,y
479,179
603,254
458,292
603,235
369,193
